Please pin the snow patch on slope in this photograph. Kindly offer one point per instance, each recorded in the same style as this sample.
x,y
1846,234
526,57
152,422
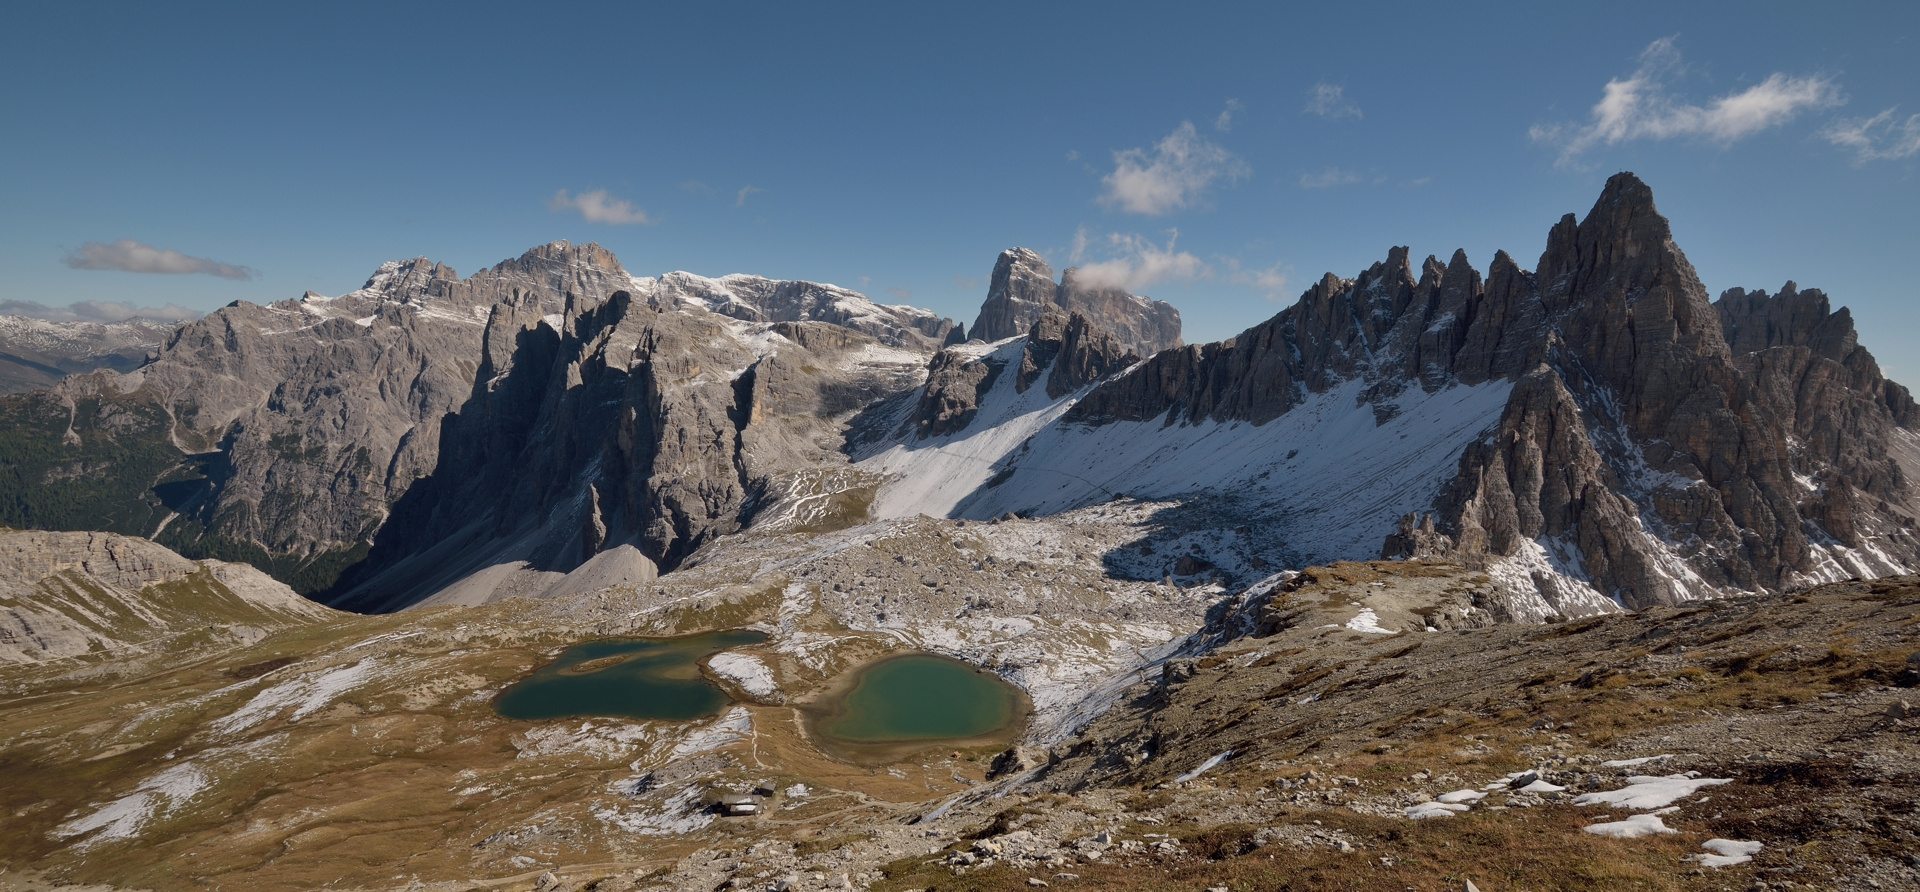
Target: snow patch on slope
x,y
745,670
1338,478
932,476
1548,564
306,694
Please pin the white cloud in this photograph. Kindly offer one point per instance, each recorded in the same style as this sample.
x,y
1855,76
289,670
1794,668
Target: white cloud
x,y
1134,262
1224,123
1330,101
129,256
740,200
96,311
1172,176
1327,179
1640,107
1879,138
599,207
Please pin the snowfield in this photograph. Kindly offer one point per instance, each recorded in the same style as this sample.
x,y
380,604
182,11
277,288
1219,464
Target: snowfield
x,y
1338,479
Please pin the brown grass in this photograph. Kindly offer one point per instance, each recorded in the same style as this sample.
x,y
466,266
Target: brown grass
x,y
1535,850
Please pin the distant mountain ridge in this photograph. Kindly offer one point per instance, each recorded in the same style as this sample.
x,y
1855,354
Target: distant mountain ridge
x,y
36,353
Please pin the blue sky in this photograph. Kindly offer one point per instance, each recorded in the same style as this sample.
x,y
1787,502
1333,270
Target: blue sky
x,y
1220,157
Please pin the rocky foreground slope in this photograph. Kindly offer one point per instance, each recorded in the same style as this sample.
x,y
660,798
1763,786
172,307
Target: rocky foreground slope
x,y
1361,725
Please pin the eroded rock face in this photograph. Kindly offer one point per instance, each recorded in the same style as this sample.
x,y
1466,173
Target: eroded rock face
x,y
1139,324
315,415
1022,290
1691,474
634,427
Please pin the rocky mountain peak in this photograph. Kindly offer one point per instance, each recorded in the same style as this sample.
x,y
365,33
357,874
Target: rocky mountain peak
x,y
563,253
1076,350
403,280
1022,290
1755,321
1019,291
1622,286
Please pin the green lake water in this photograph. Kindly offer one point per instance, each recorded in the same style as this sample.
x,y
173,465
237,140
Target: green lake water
x,y
920,697
635,678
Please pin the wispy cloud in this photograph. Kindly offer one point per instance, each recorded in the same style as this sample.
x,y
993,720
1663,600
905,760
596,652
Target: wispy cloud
x,y
1640,107
1330,101
129,256
96,311
740,200
1172,175
901,293
695,187
1270,282
1329,178
1224,123
598,207
1882,137
966,283
1133,261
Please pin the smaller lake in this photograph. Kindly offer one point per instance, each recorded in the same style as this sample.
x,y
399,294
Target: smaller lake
x,y
635,678
902,703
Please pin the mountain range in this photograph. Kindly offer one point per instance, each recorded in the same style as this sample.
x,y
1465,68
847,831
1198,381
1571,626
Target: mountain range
x,y
1595,433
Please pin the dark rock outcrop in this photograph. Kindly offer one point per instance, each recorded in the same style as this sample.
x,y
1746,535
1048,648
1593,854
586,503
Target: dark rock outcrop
x,y
956,383
1072,351
613,447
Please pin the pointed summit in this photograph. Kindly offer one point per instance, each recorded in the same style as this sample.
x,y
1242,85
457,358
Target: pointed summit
x,y
1623,294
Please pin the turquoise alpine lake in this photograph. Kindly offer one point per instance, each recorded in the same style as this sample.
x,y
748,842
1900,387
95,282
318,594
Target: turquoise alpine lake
x,y
632,678
917,699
